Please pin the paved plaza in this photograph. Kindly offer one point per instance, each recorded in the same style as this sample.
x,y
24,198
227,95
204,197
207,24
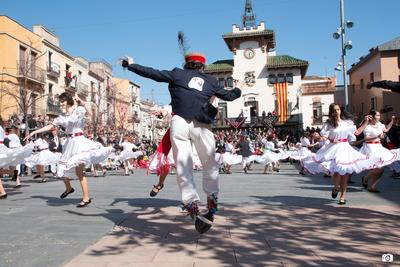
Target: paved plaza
x,y
279,219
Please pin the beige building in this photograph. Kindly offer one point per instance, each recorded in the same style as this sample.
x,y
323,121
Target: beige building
x,y
152,126
317,93
22,74
58,65
381,63
127,109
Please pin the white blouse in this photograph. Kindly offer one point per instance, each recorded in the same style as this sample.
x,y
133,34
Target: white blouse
x,y
372,131
74,122
342,131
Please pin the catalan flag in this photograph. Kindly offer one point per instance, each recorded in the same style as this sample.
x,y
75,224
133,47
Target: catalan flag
x,y
281,93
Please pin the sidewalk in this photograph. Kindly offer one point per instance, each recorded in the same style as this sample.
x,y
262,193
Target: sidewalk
x,y
275,219
258,235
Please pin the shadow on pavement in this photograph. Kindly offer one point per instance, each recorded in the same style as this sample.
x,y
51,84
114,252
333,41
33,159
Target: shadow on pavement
x,y
277,231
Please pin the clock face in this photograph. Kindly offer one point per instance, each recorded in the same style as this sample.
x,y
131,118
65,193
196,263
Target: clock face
x,y
248,53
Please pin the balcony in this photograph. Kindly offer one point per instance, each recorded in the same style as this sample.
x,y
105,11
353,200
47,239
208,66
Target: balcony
x,y
70,82
133,119
53,70
83,89
53,108
30,71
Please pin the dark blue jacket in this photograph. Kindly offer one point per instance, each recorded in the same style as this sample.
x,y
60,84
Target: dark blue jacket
x,y
190,91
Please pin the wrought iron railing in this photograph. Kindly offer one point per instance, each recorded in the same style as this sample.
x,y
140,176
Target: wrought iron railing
x,y
31,71
53,69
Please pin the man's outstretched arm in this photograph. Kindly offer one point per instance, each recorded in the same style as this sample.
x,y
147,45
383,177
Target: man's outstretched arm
x,y
394,86
156,75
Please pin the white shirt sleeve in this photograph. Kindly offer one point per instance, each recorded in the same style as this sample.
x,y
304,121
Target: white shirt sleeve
x,y
325,130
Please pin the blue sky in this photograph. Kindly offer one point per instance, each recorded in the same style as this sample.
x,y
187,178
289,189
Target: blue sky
x,y
147,30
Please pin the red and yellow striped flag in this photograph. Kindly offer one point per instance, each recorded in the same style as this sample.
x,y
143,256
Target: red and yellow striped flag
x,y
281,93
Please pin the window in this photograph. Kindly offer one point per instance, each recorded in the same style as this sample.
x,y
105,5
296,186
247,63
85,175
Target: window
x,y
289,78
281,78
317,113
271,79
222,113
373,102
50,89
92,91
353,88
362,84
22,51
32,64
50,54
221,82
33,106
371,77
230,82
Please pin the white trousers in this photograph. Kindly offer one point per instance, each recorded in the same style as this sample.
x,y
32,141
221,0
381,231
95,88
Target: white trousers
x,y
183,134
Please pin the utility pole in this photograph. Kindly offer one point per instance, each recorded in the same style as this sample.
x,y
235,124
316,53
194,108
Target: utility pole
x,y
342,26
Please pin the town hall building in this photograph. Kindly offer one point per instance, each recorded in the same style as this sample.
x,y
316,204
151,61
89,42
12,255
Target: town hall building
x,y
274,81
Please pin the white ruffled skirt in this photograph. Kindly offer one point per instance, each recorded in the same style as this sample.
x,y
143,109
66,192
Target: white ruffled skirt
x,y
159,163
339,158
270,156
44,158
125,155
302,153
14,156
386,156
80,150
231,159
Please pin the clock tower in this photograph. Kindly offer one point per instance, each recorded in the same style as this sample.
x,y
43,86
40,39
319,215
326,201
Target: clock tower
x,y
251,47
273,80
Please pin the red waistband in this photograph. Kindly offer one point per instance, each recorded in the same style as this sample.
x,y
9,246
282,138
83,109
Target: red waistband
x,y
342,140
43,149
75,134
1,142
373,142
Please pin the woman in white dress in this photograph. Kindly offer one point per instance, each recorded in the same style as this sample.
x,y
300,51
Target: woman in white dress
x,y
373,133
271,155
15,155
44,157
129,152
303,151
78,151
338,157
3,152
230,157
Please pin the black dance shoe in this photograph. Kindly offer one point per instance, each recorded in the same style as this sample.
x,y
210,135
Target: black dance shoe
x,y
203,223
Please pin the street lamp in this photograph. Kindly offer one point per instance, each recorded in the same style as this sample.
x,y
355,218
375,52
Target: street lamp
x,y
341,33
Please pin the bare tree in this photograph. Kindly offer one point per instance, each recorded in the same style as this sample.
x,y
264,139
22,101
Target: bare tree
x,y
97,99
24,97
121,115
